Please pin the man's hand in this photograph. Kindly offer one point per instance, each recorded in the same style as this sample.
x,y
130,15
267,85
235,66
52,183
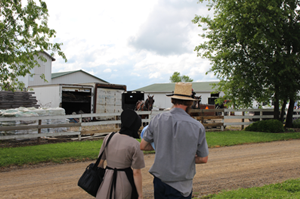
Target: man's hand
x,y
200,160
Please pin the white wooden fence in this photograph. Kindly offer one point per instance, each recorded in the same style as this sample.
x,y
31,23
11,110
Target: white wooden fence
x,y
225,114
114,123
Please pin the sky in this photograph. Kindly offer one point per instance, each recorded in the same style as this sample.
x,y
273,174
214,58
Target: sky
x,y
134,43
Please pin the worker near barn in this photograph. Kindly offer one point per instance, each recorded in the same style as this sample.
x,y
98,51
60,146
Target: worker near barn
x,y
180,143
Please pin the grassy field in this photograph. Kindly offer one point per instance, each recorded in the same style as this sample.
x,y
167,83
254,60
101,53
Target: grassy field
x,y
88,150
289,189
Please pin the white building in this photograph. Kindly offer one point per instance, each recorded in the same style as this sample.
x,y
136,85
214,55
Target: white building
x,y
160,90
68,77
45,68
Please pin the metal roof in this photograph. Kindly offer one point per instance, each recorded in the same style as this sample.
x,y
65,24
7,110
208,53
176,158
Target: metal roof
x,y
60,74
169,87
48,55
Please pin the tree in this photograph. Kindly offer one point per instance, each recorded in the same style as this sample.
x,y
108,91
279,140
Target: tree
x,y
23,34
177,78
254,48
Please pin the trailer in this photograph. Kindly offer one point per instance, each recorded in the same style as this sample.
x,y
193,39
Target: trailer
x,y
81,98
107,99
74,98
130,99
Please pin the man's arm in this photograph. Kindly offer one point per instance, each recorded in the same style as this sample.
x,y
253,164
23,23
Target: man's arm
x,y
146,146
201,160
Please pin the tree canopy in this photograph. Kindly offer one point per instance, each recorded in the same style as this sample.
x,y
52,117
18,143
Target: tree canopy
x,y
177,78
24,33
254,49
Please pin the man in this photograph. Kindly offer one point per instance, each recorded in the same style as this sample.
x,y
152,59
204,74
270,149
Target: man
x,y
179,143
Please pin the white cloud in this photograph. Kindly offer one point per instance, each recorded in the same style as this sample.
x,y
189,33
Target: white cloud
x,y
135,43
108,70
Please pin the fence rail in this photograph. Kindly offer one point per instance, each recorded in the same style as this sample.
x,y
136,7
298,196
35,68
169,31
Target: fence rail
x,y
113,123
219,120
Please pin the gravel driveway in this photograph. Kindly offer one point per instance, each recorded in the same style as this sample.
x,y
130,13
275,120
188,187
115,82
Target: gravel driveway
x,y
227,168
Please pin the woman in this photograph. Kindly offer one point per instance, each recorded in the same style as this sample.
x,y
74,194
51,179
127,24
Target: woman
x,y
121,154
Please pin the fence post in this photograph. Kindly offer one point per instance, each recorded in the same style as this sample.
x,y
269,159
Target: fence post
x,y
222,113
243,120
80,120
39,131
261,113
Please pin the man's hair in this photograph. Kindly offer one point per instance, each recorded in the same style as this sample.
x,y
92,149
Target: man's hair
x,y
187,103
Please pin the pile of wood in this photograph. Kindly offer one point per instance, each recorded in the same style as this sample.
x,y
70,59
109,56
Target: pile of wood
x,y
9,99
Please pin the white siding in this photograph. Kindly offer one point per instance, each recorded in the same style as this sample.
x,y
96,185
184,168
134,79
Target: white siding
x,y
45,68
48,96
75,78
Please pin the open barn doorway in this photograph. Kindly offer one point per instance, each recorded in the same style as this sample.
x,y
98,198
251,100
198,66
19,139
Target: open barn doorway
x,y
77,101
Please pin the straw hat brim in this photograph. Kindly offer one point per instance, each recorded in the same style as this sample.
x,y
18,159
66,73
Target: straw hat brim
x,y
181,97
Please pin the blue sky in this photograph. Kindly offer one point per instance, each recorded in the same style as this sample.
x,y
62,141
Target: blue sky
x,y
135,42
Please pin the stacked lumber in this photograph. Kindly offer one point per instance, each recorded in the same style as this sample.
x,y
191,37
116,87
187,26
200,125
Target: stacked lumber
x,y
9,99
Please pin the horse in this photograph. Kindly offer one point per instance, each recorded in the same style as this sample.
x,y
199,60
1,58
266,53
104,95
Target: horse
x,y
196,102
145,105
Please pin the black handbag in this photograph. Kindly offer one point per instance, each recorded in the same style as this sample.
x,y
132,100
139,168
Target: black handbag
x,y
92,177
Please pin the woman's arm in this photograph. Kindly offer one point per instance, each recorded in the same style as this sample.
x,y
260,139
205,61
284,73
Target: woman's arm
x,y
137,176
101,163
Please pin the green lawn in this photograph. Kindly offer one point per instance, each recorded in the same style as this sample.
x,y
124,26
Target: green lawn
x,y
88,150
289,189
230,138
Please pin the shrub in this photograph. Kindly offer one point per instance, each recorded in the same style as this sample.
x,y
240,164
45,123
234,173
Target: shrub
x,y
296,123
270,126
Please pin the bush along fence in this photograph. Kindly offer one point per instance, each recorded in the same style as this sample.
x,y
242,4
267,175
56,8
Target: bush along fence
x,y
31,126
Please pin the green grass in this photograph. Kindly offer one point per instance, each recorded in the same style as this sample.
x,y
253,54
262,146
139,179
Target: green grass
x,y
289,189
230,138
59,152
88,150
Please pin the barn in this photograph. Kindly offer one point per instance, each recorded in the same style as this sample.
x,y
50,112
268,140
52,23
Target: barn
x,y
67,77
160,90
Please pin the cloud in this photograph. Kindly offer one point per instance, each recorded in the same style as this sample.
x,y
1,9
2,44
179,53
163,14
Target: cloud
x,y
166,32
108,70
133,43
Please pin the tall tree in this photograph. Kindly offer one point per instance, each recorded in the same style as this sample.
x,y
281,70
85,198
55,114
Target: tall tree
x,y
24,33
177,78
254,49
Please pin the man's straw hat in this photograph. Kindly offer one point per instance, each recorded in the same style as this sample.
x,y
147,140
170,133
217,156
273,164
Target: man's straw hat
x,y
183,91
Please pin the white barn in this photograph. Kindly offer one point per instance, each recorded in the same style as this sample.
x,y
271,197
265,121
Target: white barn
x,y
45,68
68,77
75,77
160,90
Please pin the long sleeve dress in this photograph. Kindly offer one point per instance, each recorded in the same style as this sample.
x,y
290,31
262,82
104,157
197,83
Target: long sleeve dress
x,y
122,152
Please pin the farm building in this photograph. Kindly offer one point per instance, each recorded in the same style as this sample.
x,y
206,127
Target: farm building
x,y
45,68
75,91
75,77
160,90
68,77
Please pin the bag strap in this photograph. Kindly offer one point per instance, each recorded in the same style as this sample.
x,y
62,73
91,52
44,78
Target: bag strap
x,y
99,158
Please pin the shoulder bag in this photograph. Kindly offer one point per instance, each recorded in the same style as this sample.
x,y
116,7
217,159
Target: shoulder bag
x,y
92,177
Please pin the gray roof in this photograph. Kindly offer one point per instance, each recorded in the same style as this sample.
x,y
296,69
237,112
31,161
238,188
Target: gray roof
x,y
169,87
48,55
55,75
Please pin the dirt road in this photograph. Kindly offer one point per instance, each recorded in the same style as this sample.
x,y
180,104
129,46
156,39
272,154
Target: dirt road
x,y
228,168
